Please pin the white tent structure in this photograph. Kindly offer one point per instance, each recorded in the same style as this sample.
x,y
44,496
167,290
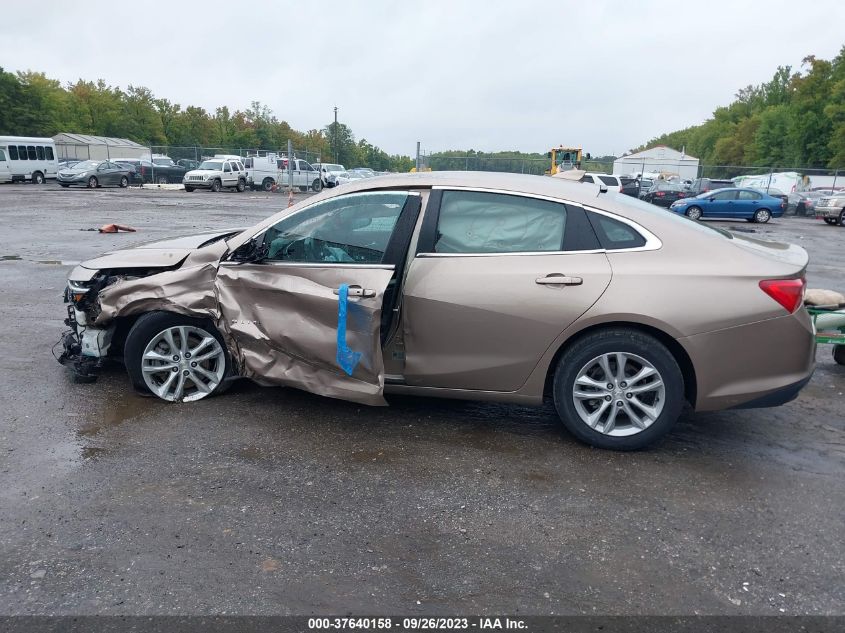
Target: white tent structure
x,y
85,146
659,159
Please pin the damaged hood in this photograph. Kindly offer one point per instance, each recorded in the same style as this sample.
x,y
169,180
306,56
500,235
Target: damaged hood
x,y
155,254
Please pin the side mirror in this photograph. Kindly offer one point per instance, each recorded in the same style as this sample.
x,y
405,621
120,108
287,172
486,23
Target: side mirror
x,y
252,251
712,199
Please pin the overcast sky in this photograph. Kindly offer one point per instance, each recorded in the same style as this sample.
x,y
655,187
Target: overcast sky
x,y
484,75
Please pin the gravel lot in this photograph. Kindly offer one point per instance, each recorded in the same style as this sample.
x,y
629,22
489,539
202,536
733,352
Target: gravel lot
x,y
274,501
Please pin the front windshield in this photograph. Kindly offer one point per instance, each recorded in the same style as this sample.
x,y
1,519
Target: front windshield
x,y
87,164
162,161
212,165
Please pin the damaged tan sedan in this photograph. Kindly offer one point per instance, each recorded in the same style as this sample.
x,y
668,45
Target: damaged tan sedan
x,y
460,285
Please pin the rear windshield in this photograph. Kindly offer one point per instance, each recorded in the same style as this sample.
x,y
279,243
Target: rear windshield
x,y
609,180
670,217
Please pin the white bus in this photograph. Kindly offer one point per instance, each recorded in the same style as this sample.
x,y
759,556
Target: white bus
x,y
27,158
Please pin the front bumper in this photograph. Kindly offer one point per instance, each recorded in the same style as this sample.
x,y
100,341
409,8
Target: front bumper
x,y
828,212
84,348
198,184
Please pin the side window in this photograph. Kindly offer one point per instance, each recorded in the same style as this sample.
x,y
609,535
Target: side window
x,y
610,181
748,195
307,167
238,166
589,179
30,151
2,156
39,151
227,167
479,222
13,152
348,229
613,234
22,152
725,195
48,151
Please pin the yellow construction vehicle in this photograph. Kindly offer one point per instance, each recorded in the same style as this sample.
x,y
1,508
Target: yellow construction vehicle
x,y
564,159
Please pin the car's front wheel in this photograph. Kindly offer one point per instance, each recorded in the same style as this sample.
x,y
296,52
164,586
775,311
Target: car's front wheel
x,y
694,213
124,182
618,389
92,182
216,186
841,220
176,358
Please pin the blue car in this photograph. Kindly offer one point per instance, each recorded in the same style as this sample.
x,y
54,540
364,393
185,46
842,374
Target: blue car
x,y
734,202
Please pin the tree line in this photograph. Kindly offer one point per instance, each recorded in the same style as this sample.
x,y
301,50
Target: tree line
x,y
32,104
797,119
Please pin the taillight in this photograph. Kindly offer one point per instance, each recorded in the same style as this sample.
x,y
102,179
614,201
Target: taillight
x,y
660,194
787,292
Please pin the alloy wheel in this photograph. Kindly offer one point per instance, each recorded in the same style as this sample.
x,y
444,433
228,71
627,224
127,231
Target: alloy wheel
x,y
183,363
619,394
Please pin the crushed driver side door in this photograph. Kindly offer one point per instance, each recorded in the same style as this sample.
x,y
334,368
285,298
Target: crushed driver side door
x,y
308,313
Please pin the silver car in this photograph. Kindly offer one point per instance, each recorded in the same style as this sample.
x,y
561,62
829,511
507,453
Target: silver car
x,y
95,173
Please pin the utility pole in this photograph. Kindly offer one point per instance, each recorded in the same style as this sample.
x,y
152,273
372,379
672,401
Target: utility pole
x,y
418,156
335,135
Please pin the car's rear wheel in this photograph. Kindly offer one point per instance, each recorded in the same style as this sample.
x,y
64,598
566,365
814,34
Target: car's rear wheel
x,y
216,186
829,220
267,184
694,213
241,186
124,182
92,182
841,220
618,389
317,185
761,216
176,358
65,186
38,178
839,354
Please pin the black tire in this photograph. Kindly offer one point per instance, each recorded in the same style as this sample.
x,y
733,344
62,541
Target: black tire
x,y
65,186
188,189
241,186
839,354
267,184
216,186
694,213
161,180
93,183
761,216
829,220
618,340
124,182
841,220
37,178
151,324
317,185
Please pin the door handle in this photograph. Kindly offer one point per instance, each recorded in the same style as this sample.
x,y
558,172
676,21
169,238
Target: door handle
x,y
557,279
357,291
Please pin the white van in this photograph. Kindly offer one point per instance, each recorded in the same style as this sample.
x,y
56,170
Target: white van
x,y
29,158
5,170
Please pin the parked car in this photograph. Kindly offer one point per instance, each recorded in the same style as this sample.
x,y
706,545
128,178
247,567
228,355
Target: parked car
x,y
702,185
330,173
832,208
604,303
364,171
217,173
804,202
664,193
149,172
94,173
748,204
188,164
612,183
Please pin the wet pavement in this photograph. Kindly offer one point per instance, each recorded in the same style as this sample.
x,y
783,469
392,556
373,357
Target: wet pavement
x,y
274,501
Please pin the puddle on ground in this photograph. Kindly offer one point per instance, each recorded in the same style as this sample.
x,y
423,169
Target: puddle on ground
x,y
115,413
91,452
7,258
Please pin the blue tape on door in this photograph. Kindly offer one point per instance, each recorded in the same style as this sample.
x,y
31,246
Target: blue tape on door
x,y
346,358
